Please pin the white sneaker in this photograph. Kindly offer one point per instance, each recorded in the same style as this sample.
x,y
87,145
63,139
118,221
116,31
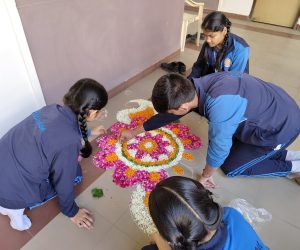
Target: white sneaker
x,y
18,220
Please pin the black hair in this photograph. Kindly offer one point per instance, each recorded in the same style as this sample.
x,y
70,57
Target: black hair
x,y
217,21
170,91
85,95
183,212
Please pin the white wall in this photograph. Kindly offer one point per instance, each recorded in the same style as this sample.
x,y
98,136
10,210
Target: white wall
x,y
20,91
241,7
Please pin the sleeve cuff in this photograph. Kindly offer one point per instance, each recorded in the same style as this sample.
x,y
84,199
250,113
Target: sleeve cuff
x,y
71,212
89,132
213,163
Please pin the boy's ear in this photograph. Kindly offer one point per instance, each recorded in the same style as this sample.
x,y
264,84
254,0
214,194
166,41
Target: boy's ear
x,y
184,107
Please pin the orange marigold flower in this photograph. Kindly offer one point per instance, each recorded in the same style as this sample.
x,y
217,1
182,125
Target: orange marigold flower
x,y
175,130
111,157
146,113
146,199
129,172
186,141
149,149
154,176
112,141
178,170
187,156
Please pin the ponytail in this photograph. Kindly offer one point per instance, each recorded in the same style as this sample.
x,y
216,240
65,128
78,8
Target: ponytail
x,y
85,95
87,148
222,53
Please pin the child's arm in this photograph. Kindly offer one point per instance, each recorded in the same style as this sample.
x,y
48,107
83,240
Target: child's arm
x,y
206,178
62,177
99,130
160,120
241,58
130,133
199,64
154,122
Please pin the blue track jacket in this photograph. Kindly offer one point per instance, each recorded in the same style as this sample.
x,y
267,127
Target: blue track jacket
x,y
39,157
241,106
235,233
236,58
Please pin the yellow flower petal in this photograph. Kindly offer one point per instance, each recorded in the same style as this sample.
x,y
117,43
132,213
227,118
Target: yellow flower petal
x,y
129,172
146,199
154,176
112,141
146,113
175,130
111,157
188,156
178,170
186,141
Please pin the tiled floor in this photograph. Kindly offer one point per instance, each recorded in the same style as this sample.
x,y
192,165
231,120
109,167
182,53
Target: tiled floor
x,y
273,58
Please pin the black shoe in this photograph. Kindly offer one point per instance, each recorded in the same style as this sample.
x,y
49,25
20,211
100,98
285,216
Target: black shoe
x,y
170,67
176,67
181,67
192,38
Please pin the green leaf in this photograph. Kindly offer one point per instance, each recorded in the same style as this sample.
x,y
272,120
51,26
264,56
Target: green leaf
x,y
97,192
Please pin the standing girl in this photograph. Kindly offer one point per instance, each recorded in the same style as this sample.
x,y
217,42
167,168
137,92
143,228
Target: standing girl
x,y
222,50
39,156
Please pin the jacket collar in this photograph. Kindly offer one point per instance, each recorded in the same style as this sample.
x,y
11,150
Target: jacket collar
x,y
70,116
229,47
201,95
217,241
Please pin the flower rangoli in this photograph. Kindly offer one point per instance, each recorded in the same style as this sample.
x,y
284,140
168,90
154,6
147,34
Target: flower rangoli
x,y
144,160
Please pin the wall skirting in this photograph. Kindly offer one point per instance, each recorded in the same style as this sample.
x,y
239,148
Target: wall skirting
x,y
141,75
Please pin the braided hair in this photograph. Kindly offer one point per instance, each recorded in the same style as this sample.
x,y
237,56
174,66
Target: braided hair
x,y
85,95
217,21
184,212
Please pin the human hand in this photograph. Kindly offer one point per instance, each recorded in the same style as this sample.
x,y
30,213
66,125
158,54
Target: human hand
x,y
99,130
83,218
207,182
126,135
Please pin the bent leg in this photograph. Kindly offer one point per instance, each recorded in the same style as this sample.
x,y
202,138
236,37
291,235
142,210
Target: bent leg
x,y
249,160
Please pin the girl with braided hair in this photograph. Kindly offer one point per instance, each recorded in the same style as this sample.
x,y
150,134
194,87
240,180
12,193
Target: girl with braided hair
x,y
187,218
222,50
39,156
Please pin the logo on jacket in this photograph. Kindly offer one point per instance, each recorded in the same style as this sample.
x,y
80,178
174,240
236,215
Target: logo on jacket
x,y
227,63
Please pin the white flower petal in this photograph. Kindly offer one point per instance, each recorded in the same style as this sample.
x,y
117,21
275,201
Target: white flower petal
x,y
139,211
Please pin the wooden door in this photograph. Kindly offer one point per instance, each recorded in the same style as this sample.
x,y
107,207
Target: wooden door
x,y
278,12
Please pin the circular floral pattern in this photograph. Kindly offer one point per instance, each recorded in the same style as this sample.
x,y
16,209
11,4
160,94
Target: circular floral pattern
x,y
151,151
143,160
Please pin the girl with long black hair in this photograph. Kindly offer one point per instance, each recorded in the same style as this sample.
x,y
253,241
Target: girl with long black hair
x,y
39,156
222,50
188,218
